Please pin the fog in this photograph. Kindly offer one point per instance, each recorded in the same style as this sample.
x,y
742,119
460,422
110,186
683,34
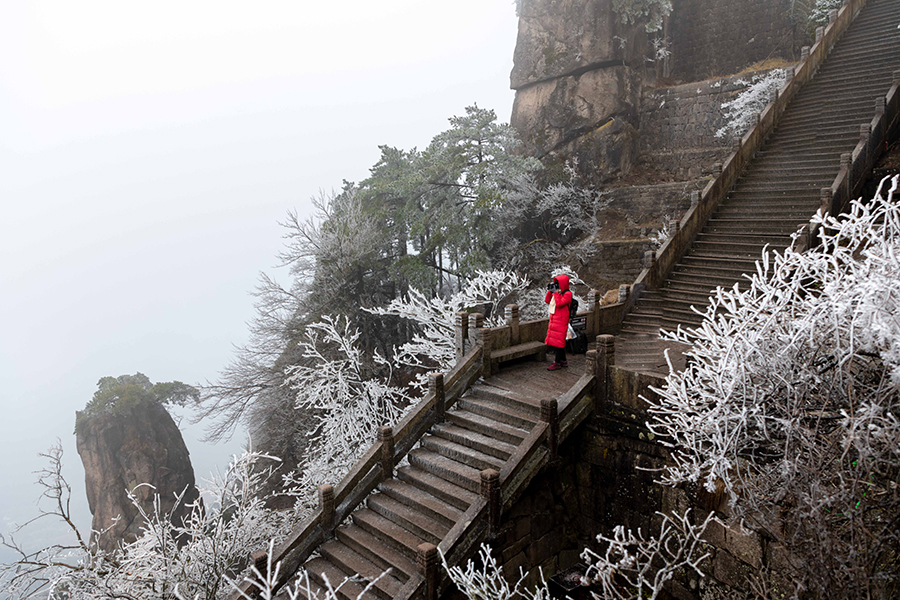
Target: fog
x,y
147,153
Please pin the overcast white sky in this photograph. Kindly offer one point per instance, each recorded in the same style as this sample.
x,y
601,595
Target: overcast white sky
x,y
147,152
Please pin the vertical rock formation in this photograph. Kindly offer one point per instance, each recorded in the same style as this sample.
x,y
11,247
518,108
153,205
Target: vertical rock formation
x,y
120,450
578,74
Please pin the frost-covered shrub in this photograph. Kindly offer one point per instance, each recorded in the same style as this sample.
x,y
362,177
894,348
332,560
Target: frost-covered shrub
x,y
790,402
740,112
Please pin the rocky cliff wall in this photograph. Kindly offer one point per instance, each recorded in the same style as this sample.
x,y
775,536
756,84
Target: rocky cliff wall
x,y
585,82
139,445
578,74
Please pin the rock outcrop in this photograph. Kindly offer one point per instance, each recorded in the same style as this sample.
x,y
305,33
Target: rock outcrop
x,y
578,74
122,450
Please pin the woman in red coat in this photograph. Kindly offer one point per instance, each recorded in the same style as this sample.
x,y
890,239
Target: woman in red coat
x,y
559,298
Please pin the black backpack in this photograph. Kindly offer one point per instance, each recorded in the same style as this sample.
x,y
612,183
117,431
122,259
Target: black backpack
x,y
573,307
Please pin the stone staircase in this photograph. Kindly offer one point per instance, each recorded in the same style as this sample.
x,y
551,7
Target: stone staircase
x,y
426,497
778,192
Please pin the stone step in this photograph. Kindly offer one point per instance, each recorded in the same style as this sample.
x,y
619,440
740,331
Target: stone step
x,y
447,491
505,397
462,454
420,500
352,564
498,412
486,426
388,532
446,468
407,517
475,440
369,546
737,227
321,570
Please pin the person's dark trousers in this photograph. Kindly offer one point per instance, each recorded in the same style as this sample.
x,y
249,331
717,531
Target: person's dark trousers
x,y
561,355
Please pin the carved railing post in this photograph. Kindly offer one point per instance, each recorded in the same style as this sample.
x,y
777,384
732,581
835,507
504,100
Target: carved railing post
x,y
326,505
476,320
880,106
820,32
386,437
649,259
695,198
804,53
606,357
550,416
511,313
825,201
490,491
624,290
462,333
436,387
717,170
484,340
593,326
427,561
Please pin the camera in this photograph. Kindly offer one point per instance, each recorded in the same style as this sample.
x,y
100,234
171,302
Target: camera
x,y
553,286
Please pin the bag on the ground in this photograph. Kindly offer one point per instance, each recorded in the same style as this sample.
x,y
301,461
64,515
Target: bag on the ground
x,y
573,307
578,344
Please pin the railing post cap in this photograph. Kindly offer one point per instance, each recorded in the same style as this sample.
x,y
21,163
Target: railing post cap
x,y
326,488
426,553
490,475
385,432
606,340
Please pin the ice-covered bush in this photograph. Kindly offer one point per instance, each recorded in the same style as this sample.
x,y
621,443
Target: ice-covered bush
x,y
740,112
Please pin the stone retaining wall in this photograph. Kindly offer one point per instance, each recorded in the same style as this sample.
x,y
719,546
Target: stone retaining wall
x,y
679,125
604,478
717,37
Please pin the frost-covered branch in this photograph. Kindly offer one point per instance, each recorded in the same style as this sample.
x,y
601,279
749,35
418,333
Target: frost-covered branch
x,y
349,402
633,566
432,346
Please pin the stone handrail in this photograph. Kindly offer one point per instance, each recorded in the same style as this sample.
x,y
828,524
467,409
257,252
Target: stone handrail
x,y
856,165
336,503
658,265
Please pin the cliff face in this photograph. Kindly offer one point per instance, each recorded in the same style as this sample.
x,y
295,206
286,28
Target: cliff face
x,y
578,74
120,451
582,77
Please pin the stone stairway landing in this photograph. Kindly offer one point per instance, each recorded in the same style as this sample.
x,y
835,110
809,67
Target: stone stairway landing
x,y
778,192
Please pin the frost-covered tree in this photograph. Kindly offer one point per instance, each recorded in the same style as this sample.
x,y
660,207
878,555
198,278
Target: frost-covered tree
x,y
350,401
650,13
790,403
546,220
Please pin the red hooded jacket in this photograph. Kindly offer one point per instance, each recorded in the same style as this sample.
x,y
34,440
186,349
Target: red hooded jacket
x,y
559,320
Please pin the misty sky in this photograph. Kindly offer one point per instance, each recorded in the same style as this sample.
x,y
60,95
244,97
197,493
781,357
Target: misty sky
x,y
147,153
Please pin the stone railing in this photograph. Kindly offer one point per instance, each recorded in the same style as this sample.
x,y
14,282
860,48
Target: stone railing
x,y
374,466
856,166
658,265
